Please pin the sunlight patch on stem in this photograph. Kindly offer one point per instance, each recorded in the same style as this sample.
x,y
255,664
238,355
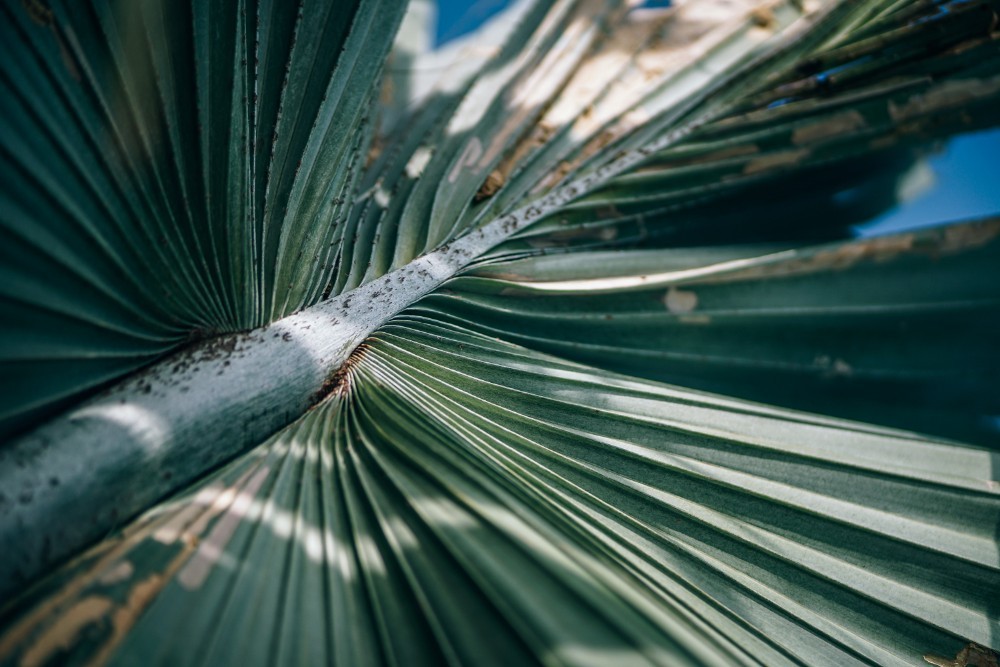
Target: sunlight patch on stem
x,y
141,424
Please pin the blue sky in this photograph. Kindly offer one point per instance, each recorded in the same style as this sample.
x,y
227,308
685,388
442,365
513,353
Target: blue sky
x,y
966,174
457,17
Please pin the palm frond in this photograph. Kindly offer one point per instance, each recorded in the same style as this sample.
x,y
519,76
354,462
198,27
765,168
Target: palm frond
x,y
897,329
421,322
467,500
165,167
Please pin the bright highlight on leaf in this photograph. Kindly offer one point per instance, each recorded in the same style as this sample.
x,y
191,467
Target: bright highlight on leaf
x,y
548,347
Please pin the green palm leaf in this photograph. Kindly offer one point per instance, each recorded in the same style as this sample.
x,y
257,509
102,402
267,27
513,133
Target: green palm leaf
x,y
897,329
469,499
421,322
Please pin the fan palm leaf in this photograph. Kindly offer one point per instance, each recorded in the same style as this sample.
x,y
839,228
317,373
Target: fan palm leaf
x,y
554,352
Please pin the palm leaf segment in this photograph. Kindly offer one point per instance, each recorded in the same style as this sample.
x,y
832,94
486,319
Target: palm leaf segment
x,y
468,492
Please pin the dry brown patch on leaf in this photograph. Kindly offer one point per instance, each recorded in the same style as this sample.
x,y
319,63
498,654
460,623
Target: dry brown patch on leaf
x,y
139,598
62,636
971,655
950,94
490,186
775,160
932,243
831,128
